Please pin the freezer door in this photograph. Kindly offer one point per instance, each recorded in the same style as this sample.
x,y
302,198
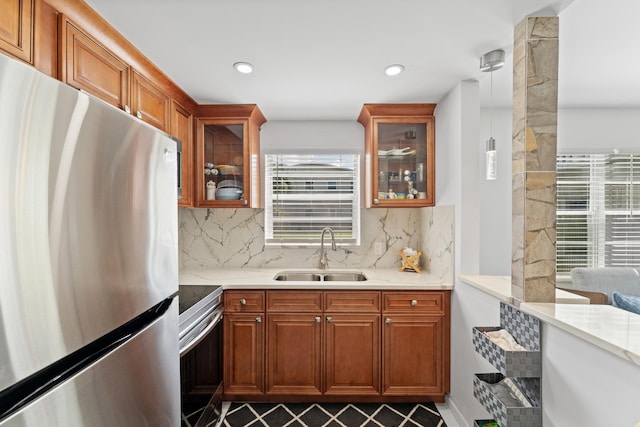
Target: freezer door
x,y
88,219
136,385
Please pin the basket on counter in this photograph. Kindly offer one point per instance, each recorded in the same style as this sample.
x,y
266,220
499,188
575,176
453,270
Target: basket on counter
x,y
410,262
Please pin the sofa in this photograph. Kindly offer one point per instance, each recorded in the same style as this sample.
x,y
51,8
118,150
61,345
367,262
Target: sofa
x,y
599,284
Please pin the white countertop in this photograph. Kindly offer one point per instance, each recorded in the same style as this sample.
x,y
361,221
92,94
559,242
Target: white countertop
x,y
610,328
263,278
500,287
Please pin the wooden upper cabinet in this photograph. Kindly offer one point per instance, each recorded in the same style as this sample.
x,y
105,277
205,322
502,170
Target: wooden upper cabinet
x,y
149,102
16,28
400,150
182,128
227,167
85,64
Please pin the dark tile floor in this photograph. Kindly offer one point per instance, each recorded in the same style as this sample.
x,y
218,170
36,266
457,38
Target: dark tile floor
x,y
333,415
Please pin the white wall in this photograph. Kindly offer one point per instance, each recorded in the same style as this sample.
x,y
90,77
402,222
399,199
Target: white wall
x,y
495,196
458,172
305,135
583,385
598,130
457,127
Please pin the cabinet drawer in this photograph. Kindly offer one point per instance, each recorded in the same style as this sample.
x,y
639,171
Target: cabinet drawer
x,y
294,301
413,302
352,302
243,301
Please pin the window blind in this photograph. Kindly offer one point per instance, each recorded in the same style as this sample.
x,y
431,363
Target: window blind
x,y
306,192
598,211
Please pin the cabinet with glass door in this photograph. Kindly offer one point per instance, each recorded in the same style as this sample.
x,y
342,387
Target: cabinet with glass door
x,y
400,154
227,158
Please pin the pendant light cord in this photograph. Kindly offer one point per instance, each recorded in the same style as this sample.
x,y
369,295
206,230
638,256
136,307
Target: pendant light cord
x,y
491,108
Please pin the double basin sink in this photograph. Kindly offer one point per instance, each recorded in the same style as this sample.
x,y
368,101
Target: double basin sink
x,y
332,276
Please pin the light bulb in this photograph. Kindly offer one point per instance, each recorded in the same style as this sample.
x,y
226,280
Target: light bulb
x,y
491,159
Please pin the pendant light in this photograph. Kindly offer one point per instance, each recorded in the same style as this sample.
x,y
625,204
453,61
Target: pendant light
x,y
489,62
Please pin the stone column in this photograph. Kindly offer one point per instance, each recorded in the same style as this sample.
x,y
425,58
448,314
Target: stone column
x,y
535,107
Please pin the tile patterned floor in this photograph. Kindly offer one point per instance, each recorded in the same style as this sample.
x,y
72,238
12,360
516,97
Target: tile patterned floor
x,y
333,415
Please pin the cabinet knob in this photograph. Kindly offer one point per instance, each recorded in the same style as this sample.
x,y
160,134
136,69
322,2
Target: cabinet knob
x,y
376,201
139,114
318,319
259,319
387,321
244,202
127,109
243,301
329,319
414,302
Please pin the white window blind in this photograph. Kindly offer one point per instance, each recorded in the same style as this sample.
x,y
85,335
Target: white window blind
x,y
598,213
306,192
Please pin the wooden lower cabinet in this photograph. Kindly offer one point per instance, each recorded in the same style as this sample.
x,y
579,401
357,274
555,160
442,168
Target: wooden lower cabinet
x,y
294,357
336,345
413,350
244,354
352,354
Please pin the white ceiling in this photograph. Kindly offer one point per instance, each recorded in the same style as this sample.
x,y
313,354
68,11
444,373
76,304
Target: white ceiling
x,y
321,60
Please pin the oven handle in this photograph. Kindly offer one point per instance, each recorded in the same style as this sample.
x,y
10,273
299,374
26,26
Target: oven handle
x,y
212,324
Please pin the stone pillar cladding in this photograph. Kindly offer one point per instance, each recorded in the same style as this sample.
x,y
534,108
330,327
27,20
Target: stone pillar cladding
x,y
535,111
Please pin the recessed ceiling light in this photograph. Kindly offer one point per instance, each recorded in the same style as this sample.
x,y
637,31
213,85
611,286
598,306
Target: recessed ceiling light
x,y
394,70
243,67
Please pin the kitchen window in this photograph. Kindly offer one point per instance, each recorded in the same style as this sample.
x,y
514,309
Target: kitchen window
x,y
598,212
306,192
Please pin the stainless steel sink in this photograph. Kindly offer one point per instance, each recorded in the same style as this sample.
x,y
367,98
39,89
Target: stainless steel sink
x,y
342,276
298,277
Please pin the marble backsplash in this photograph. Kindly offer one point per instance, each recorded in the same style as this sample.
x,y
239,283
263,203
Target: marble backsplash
x,y
234,238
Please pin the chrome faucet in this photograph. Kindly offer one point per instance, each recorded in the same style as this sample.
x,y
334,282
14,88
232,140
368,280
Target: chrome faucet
x,y
324,262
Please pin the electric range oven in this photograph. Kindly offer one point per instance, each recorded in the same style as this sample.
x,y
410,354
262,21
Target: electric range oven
x,y
201,366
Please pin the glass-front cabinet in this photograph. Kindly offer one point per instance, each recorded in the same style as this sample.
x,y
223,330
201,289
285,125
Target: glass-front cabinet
x,y
227,159
399,154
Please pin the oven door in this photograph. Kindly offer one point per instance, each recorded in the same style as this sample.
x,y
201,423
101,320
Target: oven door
x,y
201,374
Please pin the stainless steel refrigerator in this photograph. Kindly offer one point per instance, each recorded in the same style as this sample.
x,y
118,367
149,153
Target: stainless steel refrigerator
x,y
89,260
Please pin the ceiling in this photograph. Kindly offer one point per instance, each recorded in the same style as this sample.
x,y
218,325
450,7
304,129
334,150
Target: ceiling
x,y
321,60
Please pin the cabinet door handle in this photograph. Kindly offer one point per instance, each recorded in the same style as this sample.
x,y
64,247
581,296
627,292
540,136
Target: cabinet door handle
x,y
244,202
259,319
127,109
387,321
376,201
414,302
329,319
243,301
318,319
139,114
